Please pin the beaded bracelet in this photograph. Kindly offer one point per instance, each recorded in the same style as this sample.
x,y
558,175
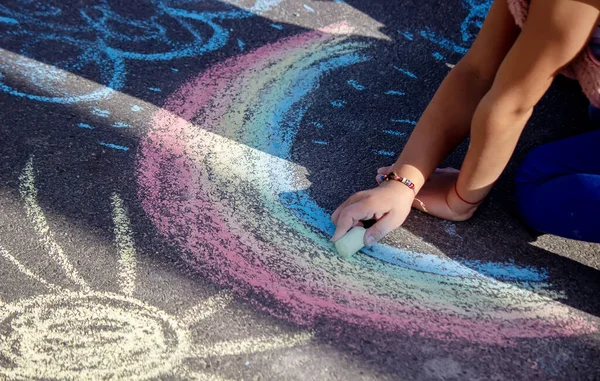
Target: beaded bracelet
x,y
393,176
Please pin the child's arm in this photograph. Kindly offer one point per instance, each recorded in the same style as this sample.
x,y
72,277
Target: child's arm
x,y
442,126
555,32
447,119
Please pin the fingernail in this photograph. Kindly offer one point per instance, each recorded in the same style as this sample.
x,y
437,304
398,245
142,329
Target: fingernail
x,y
370,240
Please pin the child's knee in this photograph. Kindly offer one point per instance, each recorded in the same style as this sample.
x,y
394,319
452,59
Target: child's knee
x,y
533,169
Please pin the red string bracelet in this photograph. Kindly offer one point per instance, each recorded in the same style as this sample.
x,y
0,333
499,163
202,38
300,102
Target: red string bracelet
x,y
463,200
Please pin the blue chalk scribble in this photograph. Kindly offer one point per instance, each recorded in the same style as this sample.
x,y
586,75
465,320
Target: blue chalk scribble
x,y
101,113
384,153
85,125
438,56
443,42
338,103
356,85
469,28
394,92
407,121
121,125
114,146
404,71
409,36
396,133
8,20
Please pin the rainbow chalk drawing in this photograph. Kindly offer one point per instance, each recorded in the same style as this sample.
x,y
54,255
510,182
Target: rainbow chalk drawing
x,y
216,178
74,332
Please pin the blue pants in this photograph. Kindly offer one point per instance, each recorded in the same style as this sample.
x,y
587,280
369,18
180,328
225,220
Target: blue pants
x,y
558,188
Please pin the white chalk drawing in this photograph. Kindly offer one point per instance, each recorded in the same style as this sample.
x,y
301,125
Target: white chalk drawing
x,y
75,332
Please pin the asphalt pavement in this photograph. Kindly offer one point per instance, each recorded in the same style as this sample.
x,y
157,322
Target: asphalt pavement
x,y
167,169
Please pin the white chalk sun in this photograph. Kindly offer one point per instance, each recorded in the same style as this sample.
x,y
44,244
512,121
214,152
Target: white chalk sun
x,y
90,334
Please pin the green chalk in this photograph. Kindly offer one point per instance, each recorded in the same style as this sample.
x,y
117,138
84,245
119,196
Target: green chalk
x,y
351,242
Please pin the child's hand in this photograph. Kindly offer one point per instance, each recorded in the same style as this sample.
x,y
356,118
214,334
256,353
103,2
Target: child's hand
x,y
389,204
438,199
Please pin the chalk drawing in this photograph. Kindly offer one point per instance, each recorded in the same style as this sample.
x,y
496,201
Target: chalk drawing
x,y
356,85
384,153
92,334
85,125
338,103
308,8
409,36
238,347
443,42
277,26
114,146
98,43
259,6
394,92
320,142
52,83
121,125
207,309
248,109
102,113
396,133
8,20
29,194
405,121
438,56
318,125
136,108
406,72
124,240
450,228
470,26
24,270
155,89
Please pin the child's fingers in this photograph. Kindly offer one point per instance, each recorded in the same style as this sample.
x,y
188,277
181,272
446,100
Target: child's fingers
x,y
382,228
351,200
384,170
350,216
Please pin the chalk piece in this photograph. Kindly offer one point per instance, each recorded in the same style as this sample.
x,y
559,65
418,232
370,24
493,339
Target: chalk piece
x,y
352,242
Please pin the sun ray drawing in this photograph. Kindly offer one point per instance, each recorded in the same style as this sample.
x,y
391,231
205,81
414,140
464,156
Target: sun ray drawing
x,y
72,331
